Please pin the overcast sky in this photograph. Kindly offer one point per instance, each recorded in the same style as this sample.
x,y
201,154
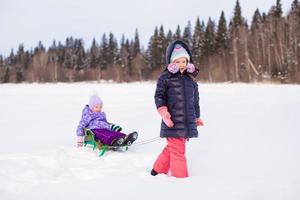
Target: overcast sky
x,y
28,21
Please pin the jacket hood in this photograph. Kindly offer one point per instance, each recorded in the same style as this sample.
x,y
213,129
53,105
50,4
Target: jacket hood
x,y
171,47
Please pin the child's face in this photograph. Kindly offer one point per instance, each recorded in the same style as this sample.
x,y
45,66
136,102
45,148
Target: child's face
x,y
97,108
182,63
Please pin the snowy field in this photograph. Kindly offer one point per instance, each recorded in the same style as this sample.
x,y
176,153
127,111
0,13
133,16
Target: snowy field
x,y
249,148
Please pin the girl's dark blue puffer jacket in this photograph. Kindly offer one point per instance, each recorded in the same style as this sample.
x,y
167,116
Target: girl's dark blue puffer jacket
x,y
179,92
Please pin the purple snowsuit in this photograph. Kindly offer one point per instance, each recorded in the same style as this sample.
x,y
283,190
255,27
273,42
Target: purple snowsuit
x,y
96,122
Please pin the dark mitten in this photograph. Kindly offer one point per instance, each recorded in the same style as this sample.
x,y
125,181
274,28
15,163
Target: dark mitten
x,y
115,127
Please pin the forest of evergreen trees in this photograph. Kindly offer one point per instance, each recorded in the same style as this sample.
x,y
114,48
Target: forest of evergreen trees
x,y
267,49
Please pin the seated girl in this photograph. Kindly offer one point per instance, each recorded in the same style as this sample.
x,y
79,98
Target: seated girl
x,y
94,119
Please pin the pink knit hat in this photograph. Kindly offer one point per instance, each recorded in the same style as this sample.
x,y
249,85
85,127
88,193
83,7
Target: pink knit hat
x,y
179,52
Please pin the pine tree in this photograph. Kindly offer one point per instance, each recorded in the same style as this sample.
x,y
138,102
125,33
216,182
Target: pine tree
x,y
23,60
128,56
11,60
295,6
67,55
20,53
187,35
237,21
136,44
20,56
123,56
198,41
210,38
40,48
295,13
1,61
177,35
112,50
209,46
28,59
52,52
53,47
103,56
278,9
161,46
80,54
94,54
153,54
169,37
222,34
60,53
5,77
256,21
264,17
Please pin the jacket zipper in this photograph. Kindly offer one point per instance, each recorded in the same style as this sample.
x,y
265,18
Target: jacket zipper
x,y
185,106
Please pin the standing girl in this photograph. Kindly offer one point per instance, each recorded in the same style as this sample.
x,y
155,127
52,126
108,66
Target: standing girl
x,y
177,101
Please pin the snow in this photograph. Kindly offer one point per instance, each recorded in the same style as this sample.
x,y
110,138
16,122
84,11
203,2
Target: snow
x,y
248,149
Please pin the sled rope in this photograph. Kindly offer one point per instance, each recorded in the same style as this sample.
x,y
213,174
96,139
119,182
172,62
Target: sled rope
x,y
147,141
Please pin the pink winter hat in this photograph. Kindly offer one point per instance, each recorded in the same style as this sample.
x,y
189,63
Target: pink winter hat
x,y
95,100
179,52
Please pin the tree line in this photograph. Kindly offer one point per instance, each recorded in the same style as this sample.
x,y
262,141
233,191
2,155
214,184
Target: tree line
x,y
266,50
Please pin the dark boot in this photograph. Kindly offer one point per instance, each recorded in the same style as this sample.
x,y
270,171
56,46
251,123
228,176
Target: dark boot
x,y
130,138
153,172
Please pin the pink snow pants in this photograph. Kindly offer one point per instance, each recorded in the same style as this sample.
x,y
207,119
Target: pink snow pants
x,y
172,158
